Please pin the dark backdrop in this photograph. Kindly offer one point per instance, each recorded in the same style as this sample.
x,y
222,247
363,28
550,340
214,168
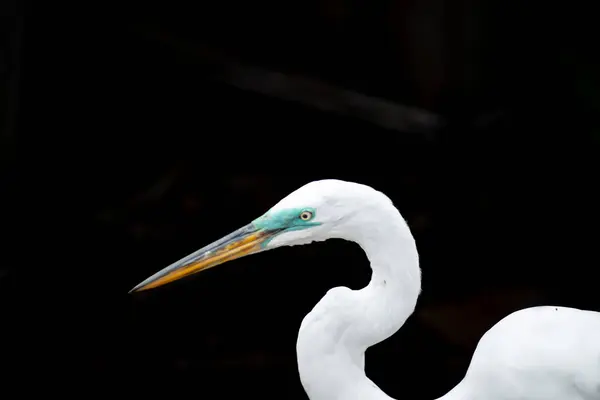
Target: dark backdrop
x,y
135,149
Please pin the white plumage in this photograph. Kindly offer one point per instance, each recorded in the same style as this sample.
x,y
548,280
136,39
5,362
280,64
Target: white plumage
x,y
539,353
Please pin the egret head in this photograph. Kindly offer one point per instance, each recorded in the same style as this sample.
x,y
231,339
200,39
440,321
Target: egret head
x,y
316,211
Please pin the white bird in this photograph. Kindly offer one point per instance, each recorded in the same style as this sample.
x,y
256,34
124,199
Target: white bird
x,y
538,353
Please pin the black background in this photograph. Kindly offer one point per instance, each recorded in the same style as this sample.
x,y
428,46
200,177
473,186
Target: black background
x,y
133,153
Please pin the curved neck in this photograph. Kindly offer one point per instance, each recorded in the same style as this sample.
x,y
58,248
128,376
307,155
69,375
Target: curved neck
x,y
334,336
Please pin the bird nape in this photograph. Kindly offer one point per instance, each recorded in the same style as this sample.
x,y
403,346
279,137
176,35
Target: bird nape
x,y
547,352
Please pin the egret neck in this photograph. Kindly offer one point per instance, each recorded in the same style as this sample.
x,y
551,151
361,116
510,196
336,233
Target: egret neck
x,y
334,336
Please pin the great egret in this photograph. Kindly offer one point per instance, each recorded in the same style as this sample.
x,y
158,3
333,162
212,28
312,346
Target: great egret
x,y
538,353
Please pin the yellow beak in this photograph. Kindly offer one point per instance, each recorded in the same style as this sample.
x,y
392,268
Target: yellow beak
x,y
244,241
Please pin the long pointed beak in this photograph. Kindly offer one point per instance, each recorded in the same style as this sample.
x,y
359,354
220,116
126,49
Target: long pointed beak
x,y
243,242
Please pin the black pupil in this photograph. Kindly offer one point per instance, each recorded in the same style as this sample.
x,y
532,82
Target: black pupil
x,y
304,215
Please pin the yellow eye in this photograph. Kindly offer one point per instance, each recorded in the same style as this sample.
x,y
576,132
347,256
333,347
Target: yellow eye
x,y
306,215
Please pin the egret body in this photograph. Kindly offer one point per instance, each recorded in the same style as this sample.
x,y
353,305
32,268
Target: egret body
x,y
538,353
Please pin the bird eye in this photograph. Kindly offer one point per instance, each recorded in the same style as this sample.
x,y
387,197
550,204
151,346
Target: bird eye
x,y
306,215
